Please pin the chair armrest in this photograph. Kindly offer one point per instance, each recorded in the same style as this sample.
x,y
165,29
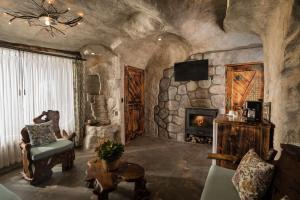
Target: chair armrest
x,y
225,157
270,155
25,146
67,136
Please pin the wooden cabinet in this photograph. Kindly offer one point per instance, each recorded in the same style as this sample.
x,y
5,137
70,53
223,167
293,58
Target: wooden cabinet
x,y
236,137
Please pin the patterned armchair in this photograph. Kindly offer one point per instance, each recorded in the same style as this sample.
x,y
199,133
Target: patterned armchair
x,y
39,160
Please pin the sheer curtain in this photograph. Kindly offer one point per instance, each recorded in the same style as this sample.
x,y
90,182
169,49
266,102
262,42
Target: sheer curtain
x,y
29,84
10,106
48,85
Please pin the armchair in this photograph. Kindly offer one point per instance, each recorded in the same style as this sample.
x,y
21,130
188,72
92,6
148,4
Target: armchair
x,y
39,160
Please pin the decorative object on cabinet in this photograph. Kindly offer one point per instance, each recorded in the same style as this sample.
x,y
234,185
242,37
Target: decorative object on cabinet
x,y
267,111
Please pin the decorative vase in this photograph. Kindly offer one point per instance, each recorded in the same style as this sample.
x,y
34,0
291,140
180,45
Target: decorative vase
x,y
109,166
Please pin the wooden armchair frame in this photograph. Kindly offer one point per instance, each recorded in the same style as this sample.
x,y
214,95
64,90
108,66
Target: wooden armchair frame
x,y
235,160
37,171
286,179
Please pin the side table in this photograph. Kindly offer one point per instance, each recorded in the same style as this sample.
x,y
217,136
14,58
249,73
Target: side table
x,y
104,182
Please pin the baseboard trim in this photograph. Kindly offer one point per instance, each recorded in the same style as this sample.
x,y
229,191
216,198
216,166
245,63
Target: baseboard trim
x,y
10,168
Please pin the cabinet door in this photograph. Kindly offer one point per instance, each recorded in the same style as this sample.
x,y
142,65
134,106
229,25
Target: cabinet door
x,y
237,140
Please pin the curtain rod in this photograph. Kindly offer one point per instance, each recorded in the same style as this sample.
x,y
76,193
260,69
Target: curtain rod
x,y
42,50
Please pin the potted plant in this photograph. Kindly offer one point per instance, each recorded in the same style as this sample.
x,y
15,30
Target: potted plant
x,y
110,154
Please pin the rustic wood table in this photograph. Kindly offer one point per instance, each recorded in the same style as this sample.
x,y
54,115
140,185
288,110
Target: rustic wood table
x,y
104,182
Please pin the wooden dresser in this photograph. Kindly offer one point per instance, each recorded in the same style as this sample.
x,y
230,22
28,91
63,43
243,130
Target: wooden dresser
x,y
235,136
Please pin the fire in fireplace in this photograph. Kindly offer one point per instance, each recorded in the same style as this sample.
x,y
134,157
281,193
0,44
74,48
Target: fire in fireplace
x,y
199,121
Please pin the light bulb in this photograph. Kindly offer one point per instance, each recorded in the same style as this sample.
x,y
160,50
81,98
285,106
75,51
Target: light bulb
x,y
80,14
47,21
9,22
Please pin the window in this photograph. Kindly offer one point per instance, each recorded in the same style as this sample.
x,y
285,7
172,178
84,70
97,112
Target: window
x,y
29,84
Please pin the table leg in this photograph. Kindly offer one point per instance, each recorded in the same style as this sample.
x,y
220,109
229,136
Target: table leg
x,y
103,196
140,190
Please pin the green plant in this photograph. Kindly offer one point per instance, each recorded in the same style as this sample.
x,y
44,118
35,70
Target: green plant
x,y
110,151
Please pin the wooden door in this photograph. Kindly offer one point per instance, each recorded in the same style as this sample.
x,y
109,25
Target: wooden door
x,y
244,82
134,102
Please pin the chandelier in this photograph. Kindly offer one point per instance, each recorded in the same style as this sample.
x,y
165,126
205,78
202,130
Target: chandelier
x,y
47,16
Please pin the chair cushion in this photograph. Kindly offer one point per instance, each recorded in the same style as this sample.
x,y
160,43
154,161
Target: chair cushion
x,y
253,176
218,185
7,194
41,134
44,151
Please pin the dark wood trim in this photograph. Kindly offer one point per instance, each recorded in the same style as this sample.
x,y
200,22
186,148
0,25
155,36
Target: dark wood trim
x,y
244,64
42,50
10,168
255,46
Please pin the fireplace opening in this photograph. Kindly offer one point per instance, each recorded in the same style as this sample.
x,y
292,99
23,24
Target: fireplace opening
x,y
199,122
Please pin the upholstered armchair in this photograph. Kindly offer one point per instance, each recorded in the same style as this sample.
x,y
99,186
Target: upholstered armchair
x,y
39,160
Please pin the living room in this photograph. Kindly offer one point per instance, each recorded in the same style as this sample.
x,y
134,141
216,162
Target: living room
x,y
149,99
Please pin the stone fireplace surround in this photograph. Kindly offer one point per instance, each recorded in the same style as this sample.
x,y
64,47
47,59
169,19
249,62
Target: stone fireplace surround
x,y
174,97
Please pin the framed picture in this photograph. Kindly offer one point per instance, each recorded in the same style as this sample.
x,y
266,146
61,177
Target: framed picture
x,y
267,111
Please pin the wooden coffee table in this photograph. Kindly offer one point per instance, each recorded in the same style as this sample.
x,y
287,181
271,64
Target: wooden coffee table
x,y
105,182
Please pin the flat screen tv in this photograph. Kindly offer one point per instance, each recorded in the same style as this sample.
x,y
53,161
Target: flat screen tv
x,y
191,70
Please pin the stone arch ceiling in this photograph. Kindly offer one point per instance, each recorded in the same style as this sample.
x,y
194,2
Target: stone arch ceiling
x,y
132,23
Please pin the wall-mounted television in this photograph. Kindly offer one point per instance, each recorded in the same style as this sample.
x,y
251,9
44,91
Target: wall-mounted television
x,y
194,70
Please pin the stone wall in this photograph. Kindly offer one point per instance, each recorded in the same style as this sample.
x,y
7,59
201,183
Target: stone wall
x,y
102,85
170,50
174,97
278,24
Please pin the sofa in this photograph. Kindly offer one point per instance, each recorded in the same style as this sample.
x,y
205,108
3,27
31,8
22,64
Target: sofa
x,y
285,183
6,194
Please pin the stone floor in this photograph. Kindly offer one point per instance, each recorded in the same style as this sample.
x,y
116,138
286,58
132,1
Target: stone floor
x,y
174,171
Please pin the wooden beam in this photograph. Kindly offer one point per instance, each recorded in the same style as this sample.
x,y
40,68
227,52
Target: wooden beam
x,y
42,50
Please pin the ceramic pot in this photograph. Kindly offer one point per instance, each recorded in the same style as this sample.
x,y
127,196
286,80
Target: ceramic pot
x,y
110,166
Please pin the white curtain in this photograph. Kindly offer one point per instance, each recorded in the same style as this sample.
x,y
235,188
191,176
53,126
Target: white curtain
x,y
30,84
10,106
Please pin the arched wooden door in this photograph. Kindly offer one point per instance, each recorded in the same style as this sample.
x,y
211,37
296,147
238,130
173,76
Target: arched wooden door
x,y
133,102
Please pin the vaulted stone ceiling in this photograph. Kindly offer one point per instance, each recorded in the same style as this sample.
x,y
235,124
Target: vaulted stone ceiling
x,y
117,23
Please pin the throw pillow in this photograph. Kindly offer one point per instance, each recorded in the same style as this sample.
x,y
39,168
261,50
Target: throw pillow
x,y
252,177
41,133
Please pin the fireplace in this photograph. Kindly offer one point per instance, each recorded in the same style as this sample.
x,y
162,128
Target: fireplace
x,y
199,121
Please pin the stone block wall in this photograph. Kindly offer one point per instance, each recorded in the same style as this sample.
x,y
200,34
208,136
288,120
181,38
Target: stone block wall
x,y
174,97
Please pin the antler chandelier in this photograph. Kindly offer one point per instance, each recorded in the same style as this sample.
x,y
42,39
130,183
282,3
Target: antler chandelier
x,y
47,16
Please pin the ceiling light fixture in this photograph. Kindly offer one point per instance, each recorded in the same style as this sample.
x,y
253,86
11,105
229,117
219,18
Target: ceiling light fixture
x,y
48,16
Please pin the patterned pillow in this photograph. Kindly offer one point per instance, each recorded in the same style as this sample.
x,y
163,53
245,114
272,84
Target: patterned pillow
x,y
41,133
252,177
